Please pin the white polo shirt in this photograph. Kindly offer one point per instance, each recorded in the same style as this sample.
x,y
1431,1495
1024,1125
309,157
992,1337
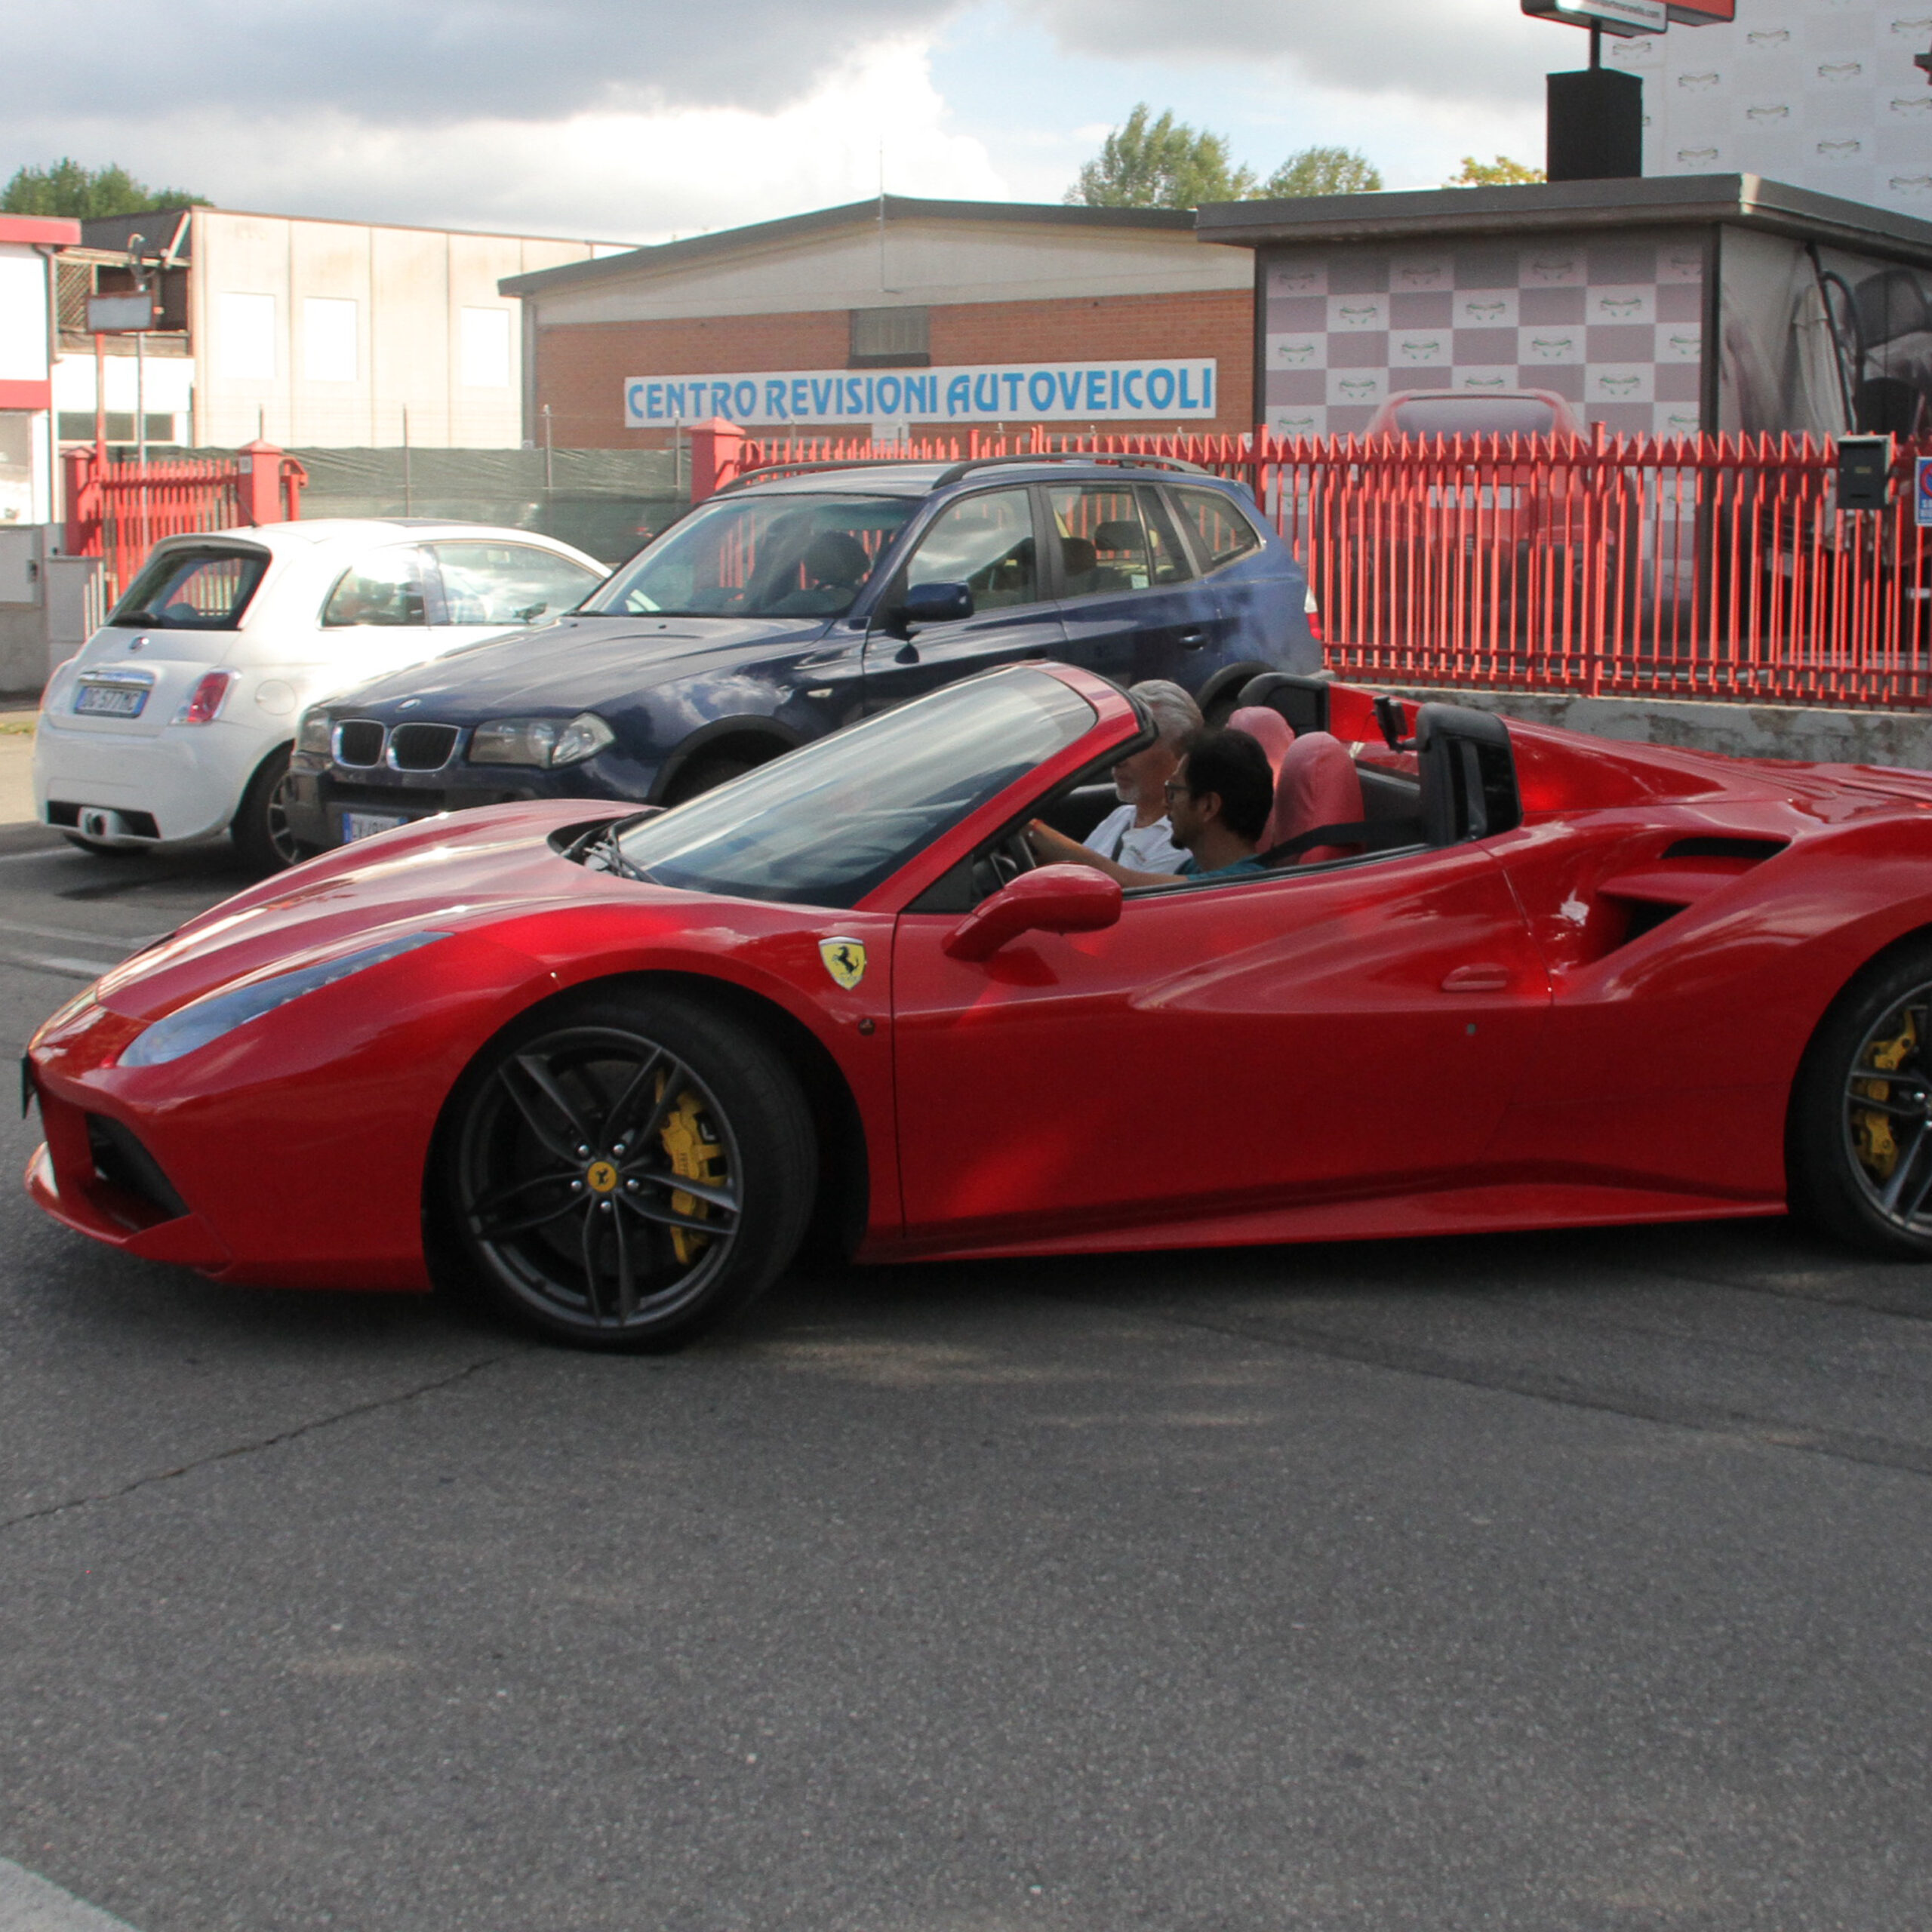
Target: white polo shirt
x,y
1146,848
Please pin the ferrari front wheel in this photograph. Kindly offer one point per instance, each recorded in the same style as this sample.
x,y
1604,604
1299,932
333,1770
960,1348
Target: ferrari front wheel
x,y
624,1171
1859,1143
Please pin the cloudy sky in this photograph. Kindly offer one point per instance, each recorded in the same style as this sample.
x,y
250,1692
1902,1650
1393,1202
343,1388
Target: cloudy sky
x,y
640,119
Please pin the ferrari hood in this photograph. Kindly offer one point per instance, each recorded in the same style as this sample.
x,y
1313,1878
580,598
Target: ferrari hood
x,y
445,876
576,664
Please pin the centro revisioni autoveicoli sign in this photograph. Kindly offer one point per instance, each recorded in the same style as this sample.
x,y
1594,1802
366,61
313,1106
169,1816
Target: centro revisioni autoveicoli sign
x,y
1018,392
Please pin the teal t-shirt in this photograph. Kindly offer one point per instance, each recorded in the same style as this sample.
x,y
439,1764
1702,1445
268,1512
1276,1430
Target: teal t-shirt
x,y
1187,868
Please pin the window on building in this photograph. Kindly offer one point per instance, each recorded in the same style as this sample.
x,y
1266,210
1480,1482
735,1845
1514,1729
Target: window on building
x,y
245,337
890,339
76,426
329,339
73,285
486,349
15,466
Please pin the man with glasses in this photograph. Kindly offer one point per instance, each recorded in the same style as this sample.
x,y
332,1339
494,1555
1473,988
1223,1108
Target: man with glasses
x,y
1218,803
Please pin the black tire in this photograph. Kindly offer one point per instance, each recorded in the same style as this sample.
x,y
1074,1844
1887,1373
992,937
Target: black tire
x,y
259,827
94,848
576,1116
705,774
1858,1142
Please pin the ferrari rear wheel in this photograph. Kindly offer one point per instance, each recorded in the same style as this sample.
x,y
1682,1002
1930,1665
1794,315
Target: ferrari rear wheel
x,y
1860,1142
625,1171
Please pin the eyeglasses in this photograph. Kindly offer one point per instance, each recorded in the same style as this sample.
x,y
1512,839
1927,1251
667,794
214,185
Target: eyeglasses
x,y
1176,788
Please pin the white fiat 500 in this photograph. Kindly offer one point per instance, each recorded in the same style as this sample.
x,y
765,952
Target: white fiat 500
x,y
174,721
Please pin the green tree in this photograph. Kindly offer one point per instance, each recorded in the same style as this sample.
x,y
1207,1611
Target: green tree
x,y
1323,171
67,188
1160,163
1500,173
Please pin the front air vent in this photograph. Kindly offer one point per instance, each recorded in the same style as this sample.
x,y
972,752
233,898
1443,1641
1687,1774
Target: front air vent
x,y
126,1166
421,747
358,741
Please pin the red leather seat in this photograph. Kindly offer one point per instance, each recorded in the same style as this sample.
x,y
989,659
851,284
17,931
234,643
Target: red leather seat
x,y
1268,729
1316,785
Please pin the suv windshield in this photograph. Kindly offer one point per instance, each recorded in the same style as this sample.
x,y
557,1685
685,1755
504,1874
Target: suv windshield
x,y
192,590
782,556
825,825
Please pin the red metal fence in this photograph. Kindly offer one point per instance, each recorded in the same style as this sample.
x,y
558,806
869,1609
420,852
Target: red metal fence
x,y
118,511
1698,567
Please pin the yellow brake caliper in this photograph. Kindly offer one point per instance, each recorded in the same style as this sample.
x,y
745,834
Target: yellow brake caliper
x,y
694,1155
1871,1130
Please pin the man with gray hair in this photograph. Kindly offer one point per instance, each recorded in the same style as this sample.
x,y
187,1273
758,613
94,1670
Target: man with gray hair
x,y
1136,835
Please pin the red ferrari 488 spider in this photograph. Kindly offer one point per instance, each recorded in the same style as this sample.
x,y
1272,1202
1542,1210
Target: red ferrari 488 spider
x,y
617,1066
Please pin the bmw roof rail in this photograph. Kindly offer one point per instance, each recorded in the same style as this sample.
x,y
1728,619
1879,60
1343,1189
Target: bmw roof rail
x,y
1125,458
769,469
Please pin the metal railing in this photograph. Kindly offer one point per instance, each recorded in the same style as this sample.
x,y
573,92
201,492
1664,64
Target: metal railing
x,y
1717,567
118,512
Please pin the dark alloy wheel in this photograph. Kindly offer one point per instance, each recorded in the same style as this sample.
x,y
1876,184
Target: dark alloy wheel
x,y
1859,1146
261,828
625,1170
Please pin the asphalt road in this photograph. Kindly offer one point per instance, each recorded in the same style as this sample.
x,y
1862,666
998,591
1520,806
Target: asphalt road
x,y
1551,1583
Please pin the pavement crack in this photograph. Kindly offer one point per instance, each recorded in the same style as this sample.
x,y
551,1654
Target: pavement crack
x,y
1706,1418
254,1448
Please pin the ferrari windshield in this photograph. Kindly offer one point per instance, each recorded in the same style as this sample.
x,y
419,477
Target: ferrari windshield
x,y
786,555
825,825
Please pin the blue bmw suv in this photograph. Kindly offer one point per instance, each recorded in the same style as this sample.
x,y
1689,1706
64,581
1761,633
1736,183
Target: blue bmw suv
x,y
789,604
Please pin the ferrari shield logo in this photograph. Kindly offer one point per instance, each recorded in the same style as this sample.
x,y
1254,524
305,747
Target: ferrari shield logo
x,y
844,960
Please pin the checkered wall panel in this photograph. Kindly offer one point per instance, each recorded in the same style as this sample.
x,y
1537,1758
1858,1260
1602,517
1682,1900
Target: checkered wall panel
x,y
1822,93
1613,327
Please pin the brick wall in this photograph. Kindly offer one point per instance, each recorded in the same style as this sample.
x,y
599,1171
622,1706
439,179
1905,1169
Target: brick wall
x,y
581,367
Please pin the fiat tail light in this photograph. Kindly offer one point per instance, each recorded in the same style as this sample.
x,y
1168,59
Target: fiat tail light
x,y
204,701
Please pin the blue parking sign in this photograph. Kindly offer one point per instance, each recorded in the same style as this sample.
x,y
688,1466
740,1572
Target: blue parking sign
x,y
1921,495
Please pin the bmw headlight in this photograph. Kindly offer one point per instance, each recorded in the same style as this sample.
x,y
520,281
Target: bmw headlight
x,y
540,741
313,733
207,1019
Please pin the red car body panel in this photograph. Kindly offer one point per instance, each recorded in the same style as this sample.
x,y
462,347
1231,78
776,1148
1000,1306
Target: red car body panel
x,y
1498,1034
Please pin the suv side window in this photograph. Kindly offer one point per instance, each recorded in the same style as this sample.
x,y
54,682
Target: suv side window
x,y
1102,540
1172,564
386,588
508,584
1221,532
986,543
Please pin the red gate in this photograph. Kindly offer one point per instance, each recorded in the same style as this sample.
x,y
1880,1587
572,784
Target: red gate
x,y
119,511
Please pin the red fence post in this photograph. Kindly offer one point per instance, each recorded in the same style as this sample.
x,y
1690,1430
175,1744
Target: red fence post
x,y
260,465
717,456
84,503
294,481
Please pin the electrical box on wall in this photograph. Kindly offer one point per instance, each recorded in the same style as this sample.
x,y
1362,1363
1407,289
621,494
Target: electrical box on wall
x,y
20,565
1865,472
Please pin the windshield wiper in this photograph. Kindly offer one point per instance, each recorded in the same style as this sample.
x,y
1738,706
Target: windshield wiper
x,y
605,843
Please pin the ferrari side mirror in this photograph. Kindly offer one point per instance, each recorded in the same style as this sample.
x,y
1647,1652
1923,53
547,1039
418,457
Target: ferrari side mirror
x,y
1055,898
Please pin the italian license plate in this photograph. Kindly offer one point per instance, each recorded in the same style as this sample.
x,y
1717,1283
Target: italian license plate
x,y
366,825
110,700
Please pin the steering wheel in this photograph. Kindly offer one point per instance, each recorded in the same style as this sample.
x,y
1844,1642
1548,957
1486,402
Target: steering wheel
x,y
999,864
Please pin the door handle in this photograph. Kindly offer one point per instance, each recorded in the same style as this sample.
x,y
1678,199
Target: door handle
x,y
1478,980
1193,639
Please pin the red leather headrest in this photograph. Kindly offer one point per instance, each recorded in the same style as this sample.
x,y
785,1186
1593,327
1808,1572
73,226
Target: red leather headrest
x,y
1316,785
1268,729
